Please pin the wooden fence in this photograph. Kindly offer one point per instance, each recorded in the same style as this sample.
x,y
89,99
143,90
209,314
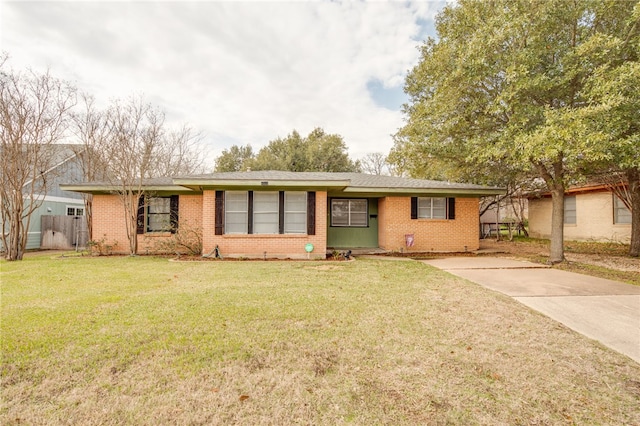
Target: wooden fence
x,y
63,232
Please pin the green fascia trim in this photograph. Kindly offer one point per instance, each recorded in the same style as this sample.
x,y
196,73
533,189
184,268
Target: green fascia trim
x,y
430,191
257,183
90,189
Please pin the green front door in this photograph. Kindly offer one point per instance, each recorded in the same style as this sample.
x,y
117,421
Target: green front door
x,y
352,223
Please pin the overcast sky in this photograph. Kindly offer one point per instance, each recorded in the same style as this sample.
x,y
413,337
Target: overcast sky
x,y
238,72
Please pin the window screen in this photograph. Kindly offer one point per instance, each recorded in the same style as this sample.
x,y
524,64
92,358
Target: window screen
x,y
349,212
236,212
432,208
570,213
265,212
295,212
621,214
158,214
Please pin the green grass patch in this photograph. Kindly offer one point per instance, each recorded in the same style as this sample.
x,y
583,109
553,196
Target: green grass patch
x,y
119,340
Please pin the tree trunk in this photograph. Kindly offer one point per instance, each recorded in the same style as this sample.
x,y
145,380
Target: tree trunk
x,y
15,251
498,220
556,252
88,212
133,239
133,223
633,177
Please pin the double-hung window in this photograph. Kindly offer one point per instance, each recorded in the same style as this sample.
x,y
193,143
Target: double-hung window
x,y
295,212
570,212
236,212
349,212
621,214
265,212
432,207
158,214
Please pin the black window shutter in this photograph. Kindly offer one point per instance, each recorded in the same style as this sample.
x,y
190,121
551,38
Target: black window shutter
x,y
281,213
174,206
451,211
219,213
311,213
140,221
414,207
250,214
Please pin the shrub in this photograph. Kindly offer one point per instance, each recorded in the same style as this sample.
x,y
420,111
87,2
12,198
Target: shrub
x,y
101,247
186,240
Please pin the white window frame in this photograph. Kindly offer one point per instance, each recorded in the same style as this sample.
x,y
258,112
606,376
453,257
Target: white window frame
x,y
428,208
236,212
75,211
266,218
267,221
351,211
295,220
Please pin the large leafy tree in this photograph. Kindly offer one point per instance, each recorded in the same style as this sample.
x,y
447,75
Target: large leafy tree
x,y
502,91
317,152
235,159
613,114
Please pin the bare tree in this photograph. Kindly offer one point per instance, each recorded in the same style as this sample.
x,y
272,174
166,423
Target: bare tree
x,y
128,144
617,182
90,127
134,132
624,183
375,163
179,153
34,113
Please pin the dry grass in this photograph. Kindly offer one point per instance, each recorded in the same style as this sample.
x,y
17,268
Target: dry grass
x,y
147,341
604,260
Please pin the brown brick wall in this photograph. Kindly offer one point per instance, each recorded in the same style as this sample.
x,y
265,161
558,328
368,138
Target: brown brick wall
x,y
275,246
456,235
394,219
109,223
189,217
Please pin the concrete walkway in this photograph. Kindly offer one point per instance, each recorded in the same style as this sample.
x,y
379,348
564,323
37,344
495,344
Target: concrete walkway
x,y
604,310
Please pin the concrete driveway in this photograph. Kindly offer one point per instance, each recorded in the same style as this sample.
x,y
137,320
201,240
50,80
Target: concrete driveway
x,y
604,310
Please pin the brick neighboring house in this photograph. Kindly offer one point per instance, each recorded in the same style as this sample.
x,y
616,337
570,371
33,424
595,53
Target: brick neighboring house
x,y
592,212
276,214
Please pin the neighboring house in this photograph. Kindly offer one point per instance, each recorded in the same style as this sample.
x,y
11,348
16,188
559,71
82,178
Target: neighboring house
x,y
591,212
55,201
512,212
277,214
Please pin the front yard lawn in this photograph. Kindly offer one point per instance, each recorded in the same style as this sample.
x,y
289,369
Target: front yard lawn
x,y
118,340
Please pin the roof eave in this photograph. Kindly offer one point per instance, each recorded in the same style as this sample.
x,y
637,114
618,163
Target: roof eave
x,y
109,189
471,192
253,183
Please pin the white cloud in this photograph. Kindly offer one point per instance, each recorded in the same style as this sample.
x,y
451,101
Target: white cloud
x,y
238,72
